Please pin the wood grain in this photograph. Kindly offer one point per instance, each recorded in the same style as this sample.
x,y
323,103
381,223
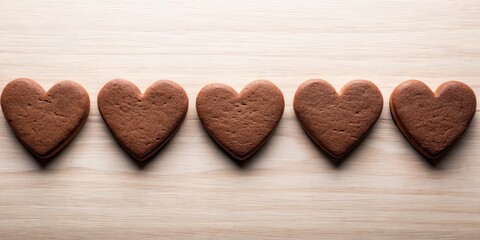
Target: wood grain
x,y
192,190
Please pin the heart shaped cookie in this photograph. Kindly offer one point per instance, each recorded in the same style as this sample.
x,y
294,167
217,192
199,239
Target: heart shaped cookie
x,y
45,122
142,124
240,123
432,121
337,122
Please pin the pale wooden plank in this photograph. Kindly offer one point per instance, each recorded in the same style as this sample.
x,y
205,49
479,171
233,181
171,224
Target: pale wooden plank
x,y
192,190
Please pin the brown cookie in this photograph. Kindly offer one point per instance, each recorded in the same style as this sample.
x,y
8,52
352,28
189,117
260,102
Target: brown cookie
x,y
240,123
142,124
45,122
432,121
337,122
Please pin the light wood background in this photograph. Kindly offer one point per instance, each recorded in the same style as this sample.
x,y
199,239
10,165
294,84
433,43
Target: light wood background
x,y
384,190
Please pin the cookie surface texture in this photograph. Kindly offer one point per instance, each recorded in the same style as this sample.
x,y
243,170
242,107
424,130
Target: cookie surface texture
x,y
240,122
337,122
430,121
45,122
142,123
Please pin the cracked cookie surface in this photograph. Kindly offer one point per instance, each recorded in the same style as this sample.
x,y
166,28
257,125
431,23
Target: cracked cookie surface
x,y
430,121
240,122
337,122
45,122
142,123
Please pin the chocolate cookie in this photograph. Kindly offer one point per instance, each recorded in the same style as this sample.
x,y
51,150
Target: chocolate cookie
x,y
337,122
240,123
432,121
45,122
142,124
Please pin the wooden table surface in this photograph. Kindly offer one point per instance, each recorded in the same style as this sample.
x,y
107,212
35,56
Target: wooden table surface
x,y
385,190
